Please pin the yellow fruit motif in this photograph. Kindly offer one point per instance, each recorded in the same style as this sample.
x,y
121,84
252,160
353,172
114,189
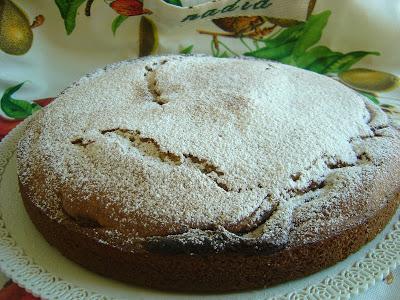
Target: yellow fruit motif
x,y
148,37
369,80
15,30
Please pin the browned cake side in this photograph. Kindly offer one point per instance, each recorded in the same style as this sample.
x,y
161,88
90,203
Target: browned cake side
x,y
206,272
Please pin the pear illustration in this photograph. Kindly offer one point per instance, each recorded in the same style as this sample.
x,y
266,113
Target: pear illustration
x,y
148,37
15,30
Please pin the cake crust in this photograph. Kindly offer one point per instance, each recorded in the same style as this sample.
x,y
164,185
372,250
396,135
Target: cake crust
x,y
205,271
139,173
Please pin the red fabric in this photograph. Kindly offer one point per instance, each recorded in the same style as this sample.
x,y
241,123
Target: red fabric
x,y
7,124
14,292
44,101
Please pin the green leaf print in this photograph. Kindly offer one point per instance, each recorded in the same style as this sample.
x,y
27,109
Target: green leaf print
x,y
68,10
318,52
285,36
322,64
187,50
63,6
371,97
15,108
346,61
312,32
117,22
292,46
224,54
276,53
174,2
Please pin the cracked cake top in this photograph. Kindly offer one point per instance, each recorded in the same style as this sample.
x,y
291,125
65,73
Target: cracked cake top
x,y
168,145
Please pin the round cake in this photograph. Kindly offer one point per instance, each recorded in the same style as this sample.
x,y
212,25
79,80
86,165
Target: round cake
x,y
196,173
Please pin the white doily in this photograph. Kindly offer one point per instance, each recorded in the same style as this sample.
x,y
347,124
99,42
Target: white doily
x,y
29,261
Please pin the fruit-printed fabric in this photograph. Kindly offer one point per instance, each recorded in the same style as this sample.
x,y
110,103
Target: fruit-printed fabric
x,y
46,44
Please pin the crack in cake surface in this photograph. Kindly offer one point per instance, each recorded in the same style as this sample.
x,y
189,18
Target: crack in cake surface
x,y
81,142
152,84
149,147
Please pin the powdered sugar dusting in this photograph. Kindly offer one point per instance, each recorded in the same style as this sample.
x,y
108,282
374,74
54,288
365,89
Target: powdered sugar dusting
x,y
163,145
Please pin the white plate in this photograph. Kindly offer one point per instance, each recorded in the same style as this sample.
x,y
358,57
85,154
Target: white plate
x,y
27,258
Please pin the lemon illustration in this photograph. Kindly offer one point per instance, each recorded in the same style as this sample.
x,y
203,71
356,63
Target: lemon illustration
x,y
369,80
15,31
148,37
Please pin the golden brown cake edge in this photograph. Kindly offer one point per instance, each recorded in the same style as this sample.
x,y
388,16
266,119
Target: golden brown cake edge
x,y
220,272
